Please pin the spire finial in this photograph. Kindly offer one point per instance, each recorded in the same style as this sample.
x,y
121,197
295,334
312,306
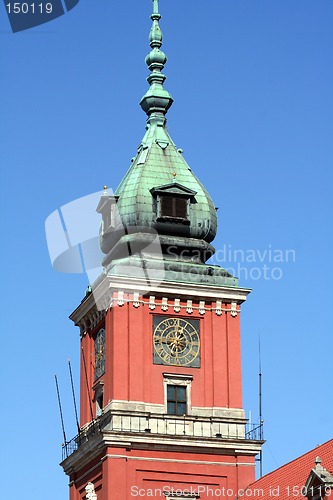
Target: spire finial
x,y
155,7
157,100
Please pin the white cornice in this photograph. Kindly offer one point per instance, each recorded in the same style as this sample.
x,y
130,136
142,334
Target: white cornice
x,y
188,290
103,293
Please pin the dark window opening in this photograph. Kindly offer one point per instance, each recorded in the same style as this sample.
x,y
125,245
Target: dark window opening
x,y
174,207
99,405
176,400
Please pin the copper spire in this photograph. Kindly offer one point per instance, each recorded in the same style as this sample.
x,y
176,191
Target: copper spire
x,y
157,100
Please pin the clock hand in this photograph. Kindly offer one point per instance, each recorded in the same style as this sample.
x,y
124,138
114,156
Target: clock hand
x,y
167,341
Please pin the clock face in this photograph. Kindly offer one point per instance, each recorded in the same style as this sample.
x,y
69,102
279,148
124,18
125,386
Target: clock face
x,y
176,341
100,353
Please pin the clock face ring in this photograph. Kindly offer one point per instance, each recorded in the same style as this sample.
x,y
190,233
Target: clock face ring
x,y
176,341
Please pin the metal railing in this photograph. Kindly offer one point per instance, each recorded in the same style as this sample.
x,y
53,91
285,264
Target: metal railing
x,y
166,425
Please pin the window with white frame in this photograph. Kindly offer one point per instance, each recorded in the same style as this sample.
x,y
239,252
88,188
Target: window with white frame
x,y
177,394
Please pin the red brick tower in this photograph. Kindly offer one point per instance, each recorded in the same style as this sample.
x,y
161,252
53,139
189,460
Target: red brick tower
x,y
161,391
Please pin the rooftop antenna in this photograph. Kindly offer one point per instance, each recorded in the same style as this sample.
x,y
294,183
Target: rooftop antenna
x,y
86,375
61,415
74,400
261,421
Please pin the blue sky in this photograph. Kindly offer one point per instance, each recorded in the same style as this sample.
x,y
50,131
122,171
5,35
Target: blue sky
x,y
252,83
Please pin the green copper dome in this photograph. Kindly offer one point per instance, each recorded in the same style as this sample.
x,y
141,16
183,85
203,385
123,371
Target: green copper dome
x,y
159,194
157,164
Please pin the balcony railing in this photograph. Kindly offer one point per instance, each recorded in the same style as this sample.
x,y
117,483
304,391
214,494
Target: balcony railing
x,y
166,425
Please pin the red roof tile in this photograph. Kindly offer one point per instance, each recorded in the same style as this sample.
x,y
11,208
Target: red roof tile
x,y
287,482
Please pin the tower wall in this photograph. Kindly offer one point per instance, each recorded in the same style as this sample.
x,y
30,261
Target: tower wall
x,y
140,473
134,443
130,373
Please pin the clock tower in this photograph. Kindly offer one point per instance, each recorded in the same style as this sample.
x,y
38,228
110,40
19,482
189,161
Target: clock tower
x,y
161,394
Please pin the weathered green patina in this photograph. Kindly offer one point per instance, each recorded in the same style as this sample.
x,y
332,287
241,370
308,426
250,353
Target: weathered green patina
x,y
159,170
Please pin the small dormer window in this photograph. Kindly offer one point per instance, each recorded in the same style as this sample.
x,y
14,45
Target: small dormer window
x,y
174,206
172,202
108,208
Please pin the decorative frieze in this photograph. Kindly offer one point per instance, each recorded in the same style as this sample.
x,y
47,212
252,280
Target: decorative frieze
x,y
90,321
106,294
95,315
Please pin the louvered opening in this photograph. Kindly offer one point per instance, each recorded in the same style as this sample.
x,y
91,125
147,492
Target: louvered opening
x,y
175,207
109,218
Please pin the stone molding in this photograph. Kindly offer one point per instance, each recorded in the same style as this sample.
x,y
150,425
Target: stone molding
x,y
235,415
107,291
143,441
